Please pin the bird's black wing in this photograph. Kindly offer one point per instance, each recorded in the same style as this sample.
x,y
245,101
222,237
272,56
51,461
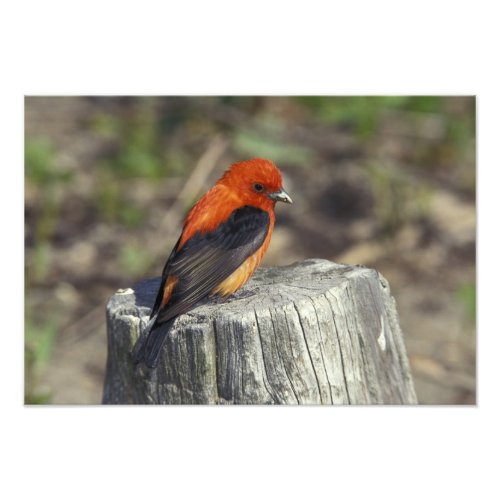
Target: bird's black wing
x,y
206,260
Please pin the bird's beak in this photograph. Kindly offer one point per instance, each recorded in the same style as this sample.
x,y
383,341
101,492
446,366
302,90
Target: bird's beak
x,y
280,195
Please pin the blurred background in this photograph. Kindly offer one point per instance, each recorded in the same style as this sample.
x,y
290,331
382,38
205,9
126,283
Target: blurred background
x,y
387,182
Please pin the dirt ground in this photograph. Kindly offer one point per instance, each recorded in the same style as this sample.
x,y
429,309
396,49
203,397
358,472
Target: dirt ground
x,y
428,258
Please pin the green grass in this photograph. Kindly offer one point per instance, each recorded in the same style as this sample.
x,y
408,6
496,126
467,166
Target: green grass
x,y
252,144
40,339
362,113
48,180
111,204
466,294
41,168
134,259
38,267
139,150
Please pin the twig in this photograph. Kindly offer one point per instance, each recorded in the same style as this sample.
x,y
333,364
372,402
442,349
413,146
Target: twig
x,y
198,177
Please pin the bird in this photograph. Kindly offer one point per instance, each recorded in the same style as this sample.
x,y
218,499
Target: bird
x,y
223,240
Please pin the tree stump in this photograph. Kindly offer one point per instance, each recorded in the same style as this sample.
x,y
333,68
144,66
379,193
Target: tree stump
x,y
314,332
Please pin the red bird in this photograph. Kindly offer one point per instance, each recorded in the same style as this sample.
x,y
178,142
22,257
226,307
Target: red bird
x,y
224,238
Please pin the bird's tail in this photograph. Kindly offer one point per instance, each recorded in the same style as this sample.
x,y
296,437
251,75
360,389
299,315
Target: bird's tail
x,y
147,349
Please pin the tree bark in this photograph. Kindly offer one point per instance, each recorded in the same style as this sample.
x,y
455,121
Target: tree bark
x,y
314,332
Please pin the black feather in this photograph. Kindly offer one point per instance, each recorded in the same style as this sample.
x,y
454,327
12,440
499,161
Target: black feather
x,y
148,347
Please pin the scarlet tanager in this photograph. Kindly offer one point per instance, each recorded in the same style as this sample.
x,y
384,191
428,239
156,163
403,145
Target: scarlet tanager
x,y
224,238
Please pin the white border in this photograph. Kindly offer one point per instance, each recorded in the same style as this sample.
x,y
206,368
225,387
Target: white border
x,y
56,47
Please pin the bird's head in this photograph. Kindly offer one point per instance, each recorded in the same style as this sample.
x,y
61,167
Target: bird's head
x,y
256,181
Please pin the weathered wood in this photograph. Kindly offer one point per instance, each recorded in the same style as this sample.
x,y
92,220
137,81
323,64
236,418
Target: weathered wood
x,y
314,332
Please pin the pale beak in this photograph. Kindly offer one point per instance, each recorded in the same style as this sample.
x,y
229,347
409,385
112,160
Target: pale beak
x,y
280,195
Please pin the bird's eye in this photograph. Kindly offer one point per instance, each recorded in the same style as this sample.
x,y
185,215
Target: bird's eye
x,y
258,187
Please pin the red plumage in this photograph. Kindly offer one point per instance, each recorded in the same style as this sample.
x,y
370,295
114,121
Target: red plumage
x,y
224,238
